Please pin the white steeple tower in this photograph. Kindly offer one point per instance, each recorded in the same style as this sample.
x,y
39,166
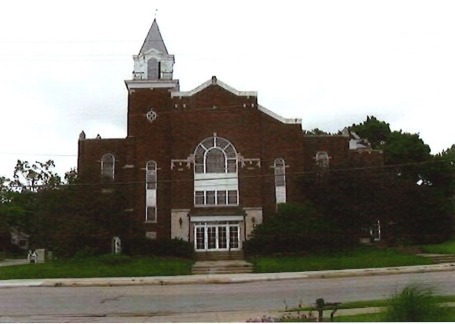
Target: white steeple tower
x,y
153,66
153,61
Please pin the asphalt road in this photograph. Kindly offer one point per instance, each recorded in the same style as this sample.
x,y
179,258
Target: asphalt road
x,y
201,302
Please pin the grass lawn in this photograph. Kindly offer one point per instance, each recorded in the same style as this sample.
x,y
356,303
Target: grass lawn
x,y
370,317
123,266
364,257
104,266
443,248
378,317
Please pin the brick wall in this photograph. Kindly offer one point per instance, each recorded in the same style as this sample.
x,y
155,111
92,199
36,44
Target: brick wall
x,y
182,123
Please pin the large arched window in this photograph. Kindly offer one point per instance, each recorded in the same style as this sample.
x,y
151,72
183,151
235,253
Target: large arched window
x,y
107,166
150,191
215,173
215,155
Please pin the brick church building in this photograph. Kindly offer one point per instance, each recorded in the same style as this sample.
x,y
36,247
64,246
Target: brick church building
x,y
209,164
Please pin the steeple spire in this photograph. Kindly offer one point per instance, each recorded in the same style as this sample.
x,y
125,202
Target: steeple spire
x,y
153,61
154,40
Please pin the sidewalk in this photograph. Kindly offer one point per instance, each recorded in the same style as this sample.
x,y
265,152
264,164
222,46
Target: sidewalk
x,y
10,262
218,278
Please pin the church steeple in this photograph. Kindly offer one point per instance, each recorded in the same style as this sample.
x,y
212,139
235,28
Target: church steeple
x,y
153,40
153,61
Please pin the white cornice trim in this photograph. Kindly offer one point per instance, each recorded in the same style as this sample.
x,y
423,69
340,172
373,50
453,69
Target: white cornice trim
x,y
151,84
279,118
213,80
216,218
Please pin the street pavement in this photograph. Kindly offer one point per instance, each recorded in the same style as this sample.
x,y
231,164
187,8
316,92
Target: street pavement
x,y
218,316
215,278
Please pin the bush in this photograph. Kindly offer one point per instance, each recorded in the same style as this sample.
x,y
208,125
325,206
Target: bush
x,y
414,304
295,229
161,247
115,259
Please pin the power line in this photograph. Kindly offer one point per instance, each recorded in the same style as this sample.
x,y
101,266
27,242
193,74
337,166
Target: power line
x,y
271,175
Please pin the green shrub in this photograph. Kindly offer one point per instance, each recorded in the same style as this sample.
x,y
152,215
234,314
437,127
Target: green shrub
x,y
85,252
414,304
115,259
296,229
161,247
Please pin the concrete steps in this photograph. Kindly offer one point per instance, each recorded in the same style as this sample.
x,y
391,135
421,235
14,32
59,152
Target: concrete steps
x,y
439,258
220,255
222,267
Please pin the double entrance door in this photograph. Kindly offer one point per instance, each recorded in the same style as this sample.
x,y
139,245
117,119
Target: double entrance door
x,y
217,236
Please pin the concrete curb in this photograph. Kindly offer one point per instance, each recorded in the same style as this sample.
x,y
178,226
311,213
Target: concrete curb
x,y
221,278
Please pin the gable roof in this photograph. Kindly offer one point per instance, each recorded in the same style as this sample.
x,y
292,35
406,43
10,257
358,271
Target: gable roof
x,y
210,82
154,40
223,85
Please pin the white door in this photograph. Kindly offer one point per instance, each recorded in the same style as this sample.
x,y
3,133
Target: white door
x,y
216,237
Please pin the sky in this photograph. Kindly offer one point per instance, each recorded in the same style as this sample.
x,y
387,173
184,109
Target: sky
x,y
330,63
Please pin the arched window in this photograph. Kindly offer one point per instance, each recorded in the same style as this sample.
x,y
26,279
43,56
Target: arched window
x,y
107,166
280,173
150,174
215,173
322,159
279,167
150,191
215,155
215,160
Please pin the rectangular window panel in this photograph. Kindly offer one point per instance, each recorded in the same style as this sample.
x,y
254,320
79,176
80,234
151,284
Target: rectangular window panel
x,y
108,170
222,237
199,168
231,166
280,193
199,198
200,238
279,181
150,199
211,237
151,179
233,237
221,197
215,161
151,214
232,197
210,196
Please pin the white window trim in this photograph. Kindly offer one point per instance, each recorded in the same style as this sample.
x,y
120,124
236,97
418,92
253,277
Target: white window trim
x,y
279,170
151,198
204,195
214,145
111,174
322,159
215,181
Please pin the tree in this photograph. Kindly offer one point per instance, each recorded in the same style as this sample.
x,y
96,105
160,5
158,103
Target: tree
x,y
410,199
4,228
415,304
36,176
405,148
82,217
377,132
316,131
295,228
355,200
